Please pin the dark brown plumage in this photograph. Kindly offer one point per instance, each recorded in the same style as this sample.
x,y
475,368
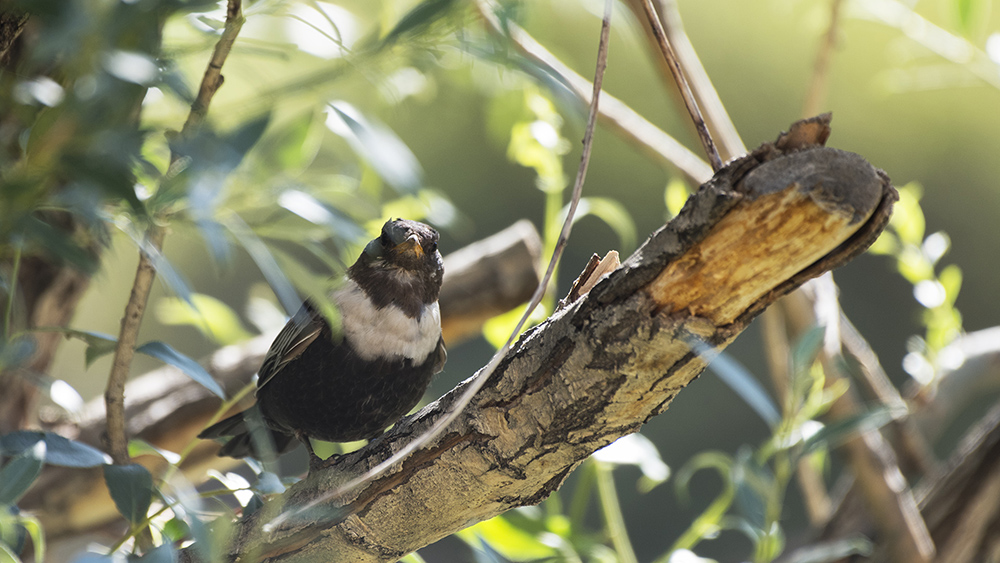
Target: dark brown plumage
x,y
316,383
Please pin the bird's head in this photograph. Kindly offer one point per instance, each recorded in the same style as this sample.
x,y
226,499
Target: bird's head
x,y
405,255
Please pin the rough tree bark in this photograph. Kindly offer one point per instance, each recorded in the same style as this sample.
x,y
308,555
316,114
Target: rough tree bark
x,y
599,368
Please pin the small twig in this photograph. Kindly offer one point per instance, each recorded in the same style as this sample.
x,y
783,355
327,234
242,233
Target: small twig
x,y
716,116
484,374
212,80
114,394
818,84
682,85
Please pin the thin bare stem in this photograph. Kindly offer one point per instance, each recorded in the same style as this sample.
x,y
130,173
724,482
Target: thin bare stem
x,y
716,117
682,85
819,83
114,393
212,79
484,374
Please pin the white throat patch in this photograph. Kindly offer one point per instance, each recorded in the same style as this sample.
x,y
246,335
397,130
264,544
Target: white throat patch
x,y
386,332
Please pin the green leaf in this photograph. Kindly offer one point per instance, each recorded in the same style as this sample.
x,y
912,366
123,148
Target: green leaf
x,y
98,343
612,213
138,447
265,260
511,542
295,146
739,379
7,555
907,217
246,136
163,553
951,280
676,195
378,145
131,488
805,350
640,451
497,330
58,450
209,315
840,431
709,522
34,529
166,354
18,475
417,19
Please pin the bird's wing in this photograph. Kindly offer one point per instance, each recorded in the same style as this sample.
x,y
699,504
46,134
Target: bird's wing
x,y
300,331
442,356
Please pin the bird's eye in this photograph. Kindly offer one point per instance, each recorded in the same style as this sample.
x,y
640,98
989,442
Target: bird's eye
x,y
433,247
384,239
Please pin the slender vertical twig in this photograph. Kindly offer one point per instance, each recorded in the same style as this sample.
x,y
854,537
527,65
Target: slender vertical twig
x,y
484,374
682,85
114,394
819,83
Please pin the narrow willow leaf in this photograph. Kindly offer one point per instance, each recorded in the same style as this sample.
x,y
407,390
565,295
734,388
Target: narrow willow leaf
x,y
166,354
837,432
740,380
58,450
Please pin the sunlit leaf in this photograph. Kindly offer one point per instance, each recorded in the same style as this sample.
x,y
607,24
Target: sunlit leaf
x,y
498,329
907,217
419,18
675,196
17,476
166,354
131,487
265,261
35,532
510,542
7,555
612,212
837,432
138,448
317,212
638,450
209,315
295,144
951,280
58,450
387,154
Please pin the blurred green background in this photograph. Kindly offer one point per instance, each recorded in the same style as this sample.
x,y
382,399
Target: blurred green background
x,y
895,100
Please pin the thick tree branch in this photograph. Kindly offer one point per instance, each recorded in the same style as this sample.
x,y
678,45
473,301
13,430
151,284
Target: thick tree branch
x,y
599,368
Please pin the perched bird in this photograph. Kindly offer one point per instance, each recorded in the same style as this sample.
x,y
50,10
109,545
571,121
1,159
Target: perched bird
x,y
316,383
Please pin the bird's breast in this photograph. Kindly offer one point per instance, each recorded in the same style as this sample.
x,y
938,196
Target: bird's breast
x,y
387,332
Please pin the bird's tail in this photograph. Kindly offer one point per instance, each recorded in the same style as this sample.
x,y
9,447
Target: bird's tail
x,y
249,436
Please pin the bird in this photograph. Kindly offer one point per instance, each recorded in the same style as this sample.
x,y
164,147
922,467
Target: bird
x,y
350,384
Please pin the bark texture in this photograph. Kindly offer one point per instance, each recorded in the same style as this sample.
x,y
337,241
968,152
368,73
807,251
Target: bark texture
x,y
599,368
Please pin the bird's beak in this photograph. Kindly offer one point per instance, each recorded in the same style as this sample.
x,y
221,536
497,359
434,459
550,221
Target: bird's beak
x,y
410,245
